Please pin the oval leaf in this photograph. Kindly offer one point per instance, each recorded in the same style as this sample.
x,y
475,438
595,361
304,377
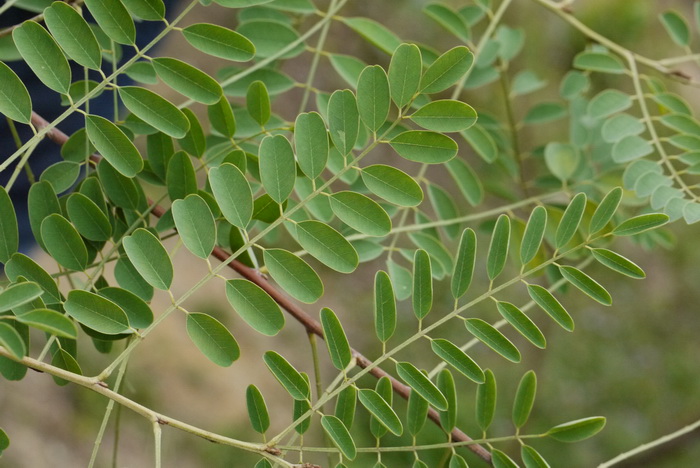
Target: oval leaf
x,y
381,410
534,233
498,248
257,410
340,436
458,359
114,19
219,42
640,224
551,306
570,220
195,223
73,34
421,384
188,80
327,245
524,399
232,193
586,284
63,242
88,218
150,258
311,143
255,306
294,275
213,339
96,312
492,338
445,116
393,185
336,341
12,341
424,147
384,306
361,213
15,102
114,145
277,167
446,70
50,321
373,99
344,120
19,294
288,376
404,73
155,111
43,55
9,233
575,431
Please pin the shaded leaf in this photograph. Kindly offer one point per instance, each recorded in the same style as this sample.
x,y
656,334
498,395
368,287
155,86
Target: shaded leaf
x,y
114,145
277,167
384,306
551,306
257,410
63,242
188,80
232,193
219,42
43,55
88,218
421,384
155,110
360,213
486,401
343,120
15,101
524,399
9,233
18,294
498,248
336,341
381,410
288,376
340,436
213,339
311,143
373,97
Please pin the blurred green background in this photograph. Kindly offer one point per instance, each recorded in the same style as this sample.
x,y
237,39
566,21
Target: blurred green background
x,y
635,363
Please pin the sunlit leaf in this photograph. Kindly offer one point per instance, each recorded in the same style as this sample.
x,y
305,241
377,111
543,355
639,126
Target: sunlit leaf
x,y
343,120
188,80
425,147
393,185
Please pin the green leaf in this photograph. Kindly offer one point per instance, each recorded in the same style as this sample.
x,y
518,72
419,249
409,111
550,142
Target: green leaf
x,y
327,245
213,339
384,307
457,461
498,248
464,264
534,233
4,441
114,19
493,338
421,384
64,360
73,34
448,19
361,213
221,117
88,218
219,42
288,376
640,224
63,242
501,460
381,410
150,10
61,175
336,341
345,405
344,120
311,143
416,412
466,180
424,147
607,103
676,27
551,306
446,70
257,410
445,116
619,126
458,359
532,458
49,321
258,102
240,3
486,401
114,145
188,80
96,312
422,284
121,190
562,159
544,112
348,67
375,33
232,193
20,265
9,234
340,436
446,385
255,306
405,73
194,142
300,408
522,323
19,294
150,258
12,341
599,62
605,210
524,399
294,275
618,263
180,177
42,202
578,430
570,220
271,37
15,101
195,223
277,167
155,111
445,209
43,55
393,185
586,284
373,97
137,311
630,148
482,142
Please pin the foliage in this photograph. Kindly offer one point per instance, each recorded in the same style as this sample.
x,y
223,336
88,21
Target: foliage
x,y
375,183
